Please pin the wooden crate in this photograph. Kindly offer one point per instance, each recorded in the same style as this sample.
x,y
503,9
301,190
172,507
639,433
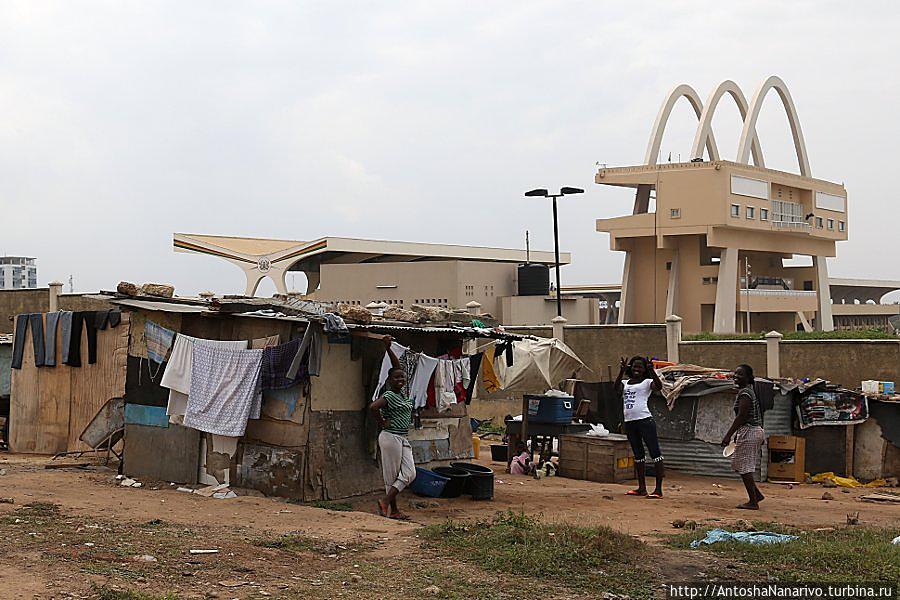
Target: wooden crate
x,y
603,459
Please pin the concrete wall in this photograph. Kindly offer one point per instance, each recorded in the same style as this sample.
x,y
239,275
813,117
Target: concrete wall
x,y
725,354
540,310
847,362
601,346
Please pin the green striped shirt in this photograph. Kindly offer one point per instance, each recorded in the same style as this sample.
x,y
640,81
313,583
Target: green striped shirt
x,y
398,412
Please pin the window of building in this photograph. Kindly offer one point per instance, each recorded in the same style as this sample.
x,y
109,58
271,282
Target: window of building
x,y
830,223
764,214
751,212
842,226
735,210
675,213
819,222
808,285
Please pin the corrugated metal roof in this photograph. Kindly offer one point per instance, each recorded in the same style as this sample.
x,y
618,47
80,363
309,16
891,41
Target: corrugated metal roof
x,y
162,306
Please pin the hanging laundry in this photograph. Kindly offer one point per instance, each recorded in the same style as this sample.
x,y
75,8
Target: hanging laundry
x,y
276,362
65,332
489,375
158,340
36,322
452,382
104,318
81,322
409,362
399,351
177,376
311,345
266,342
225,389
418,386
474,366
19,341
50,328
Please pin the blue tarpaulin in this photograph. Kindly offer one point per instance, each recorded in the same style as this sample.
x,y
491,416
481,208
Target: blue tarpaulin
x,y
749,537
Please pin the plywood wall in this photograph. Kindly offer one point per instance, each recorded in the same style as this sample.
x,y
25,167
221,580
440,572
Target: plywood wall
x,y
50,406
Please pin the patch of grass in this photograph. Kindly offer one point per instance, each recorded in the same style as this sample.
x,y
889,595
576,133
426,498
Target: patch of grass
x,y
106,593
332,505
846,555
580,558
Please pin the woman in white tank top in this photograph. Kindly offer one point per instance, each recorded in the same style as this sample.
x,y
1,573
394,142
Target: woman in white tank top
x,y
639,424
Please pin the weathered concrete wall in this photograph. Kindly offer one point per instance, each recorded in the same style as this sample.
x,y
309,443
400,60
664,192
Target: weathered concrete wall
x,y
725,354
847,362
14,302
601,346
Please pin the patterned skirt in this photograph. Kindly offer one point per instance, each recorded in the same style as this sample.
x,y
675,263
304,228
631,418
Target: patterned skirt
x,y
748,441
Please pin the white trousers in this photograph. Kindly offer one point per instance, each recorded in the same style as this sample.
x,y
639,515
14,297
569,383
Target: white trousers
x,y
397,464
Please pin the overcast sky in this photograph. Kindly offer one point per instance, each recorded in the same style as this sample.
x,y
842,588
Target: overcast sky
x,y
123,122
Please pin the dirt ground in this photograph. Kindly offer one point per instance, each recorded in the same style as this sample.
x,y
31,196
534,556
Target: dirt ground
x,y
83,531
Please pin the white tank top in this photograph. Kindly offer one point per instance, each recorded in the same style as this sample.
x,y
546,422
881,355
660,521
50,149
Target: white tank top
x,y
635,397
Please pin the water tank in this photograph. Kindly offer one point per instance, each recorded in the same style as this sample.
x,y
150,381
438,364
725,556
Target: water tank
x,y
534,280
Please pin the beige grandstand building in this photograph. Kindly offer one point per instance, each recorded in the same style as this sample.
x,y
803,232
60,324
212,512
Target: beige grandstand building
x,y
512,285
712,240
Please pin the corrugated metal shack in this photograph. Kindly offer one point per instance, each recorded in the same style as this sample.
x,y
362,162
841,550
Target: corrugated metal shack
x,y
314,440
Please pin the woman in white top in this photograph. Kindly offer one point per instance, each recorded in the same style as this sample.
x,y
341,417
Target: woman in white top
x,y
639,424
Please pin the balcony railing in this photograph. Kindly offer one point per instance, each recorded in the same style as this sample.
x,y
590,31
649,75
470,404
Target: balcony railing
x,y
780,293
797,225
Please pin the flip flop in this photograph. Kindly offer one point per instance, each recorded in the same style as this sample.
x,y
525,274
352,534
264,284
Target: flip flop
x,y
382,509
654,495
635,493
747,506
399,516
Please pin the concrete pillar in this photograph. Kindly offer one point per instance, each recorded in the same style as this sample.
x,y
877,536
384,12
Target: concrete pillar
x,y
672,291
474,307
313,278
773,354
824,319
253,280
726,292
55,291
673,338
627,279
559,328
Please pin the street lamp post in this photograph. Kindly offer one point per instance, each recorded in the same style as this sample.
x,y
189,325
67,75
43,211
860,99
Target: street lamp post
x,y
543,193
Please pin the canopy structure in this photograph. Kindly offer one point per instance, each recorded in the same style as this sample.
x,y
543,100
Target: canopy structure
x,y
262,257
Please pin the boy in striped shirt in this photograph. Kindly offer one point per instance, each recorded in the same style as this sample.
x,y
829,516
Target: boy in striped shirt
x,y
393,411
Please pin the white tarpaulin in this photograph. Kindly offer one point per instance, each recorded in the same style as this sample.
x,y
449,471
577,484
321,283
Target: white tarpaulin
x,y
538,365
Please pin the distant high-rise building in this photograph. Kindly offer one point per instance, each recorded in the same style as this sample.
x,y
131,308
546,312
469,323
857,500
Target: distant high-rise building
x,y
18,272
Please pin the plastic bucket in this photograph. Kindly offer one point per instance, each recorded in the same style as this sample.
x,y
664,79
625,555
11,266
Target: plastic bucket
x,y
428,483
498,452
480,484
457,483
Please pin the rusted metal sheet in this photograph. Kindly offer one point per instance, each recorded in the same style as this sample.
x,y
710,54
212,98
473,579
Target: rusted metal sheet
x,y
166,454
285,405
426,451
285,434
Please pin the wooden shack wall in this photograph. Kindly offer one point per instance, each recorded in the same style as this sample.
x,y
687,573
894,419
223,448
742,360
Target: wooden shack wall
x,y
51,406
313,441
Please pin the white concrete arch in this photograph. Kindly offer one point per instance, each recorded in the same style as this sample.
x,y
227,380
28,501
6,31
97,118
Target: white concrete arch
x,y
748,134
662,118
704,129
